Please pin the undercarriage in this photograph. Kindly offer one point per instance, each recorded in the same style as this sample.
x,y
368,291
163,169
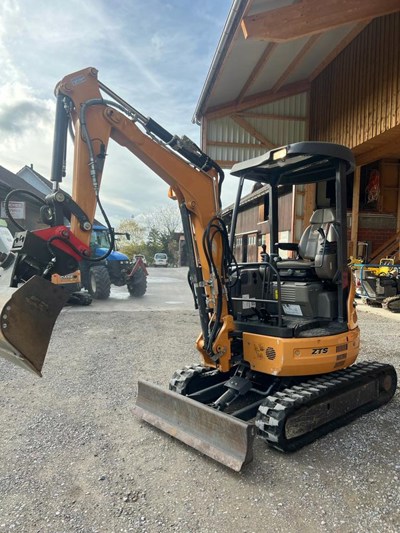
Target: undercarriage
x,y
219,414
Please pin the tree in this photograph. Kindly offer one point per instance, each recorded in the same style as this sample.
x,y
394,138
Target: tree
x,y
154,243
131,226
154,238
135,244
164,224
157,233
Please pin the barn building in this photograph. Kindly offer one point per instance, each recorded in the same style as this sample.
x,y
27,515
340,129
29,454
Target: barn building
x,y
287,71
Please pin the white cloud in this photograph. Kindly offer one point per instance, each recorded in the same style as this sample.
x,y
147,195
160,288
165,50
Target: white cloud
x,y
26,128
153,53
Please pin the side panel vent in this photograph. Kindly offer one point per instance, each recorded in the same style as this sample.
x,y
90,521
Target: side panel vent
x,y
271,354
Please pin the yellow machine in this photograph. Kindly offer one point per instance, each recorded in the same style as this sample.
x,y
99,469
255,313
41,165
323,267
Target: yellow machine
x,y
278,337
379,284
72,283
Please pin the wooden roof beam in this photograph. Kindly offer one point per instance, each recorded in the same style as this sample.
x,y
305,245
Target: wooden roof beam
x,y
227,144
296,61
384,145
254,100
253,132
379,152
271,116
257,69
309,17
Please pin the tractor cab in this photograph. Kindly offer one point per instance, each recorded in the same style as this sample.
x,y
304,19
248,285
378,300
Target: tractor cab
x,y
100,243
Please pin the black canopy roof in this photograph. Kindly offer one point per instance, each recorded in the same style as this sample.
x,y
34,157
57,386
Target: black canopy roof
x,y
303,162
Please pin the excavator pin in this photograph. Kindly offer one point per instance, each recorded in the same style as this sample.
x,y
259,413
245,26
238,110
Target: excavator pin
x,y
27,317
224,438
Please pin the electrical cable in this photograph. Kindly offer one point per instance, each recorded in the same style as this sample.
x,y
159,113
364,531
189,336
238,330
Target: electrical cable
x,y
8,199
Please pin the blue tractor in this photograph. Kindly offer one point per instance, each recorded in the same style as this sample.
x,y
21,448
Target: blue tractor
x,y
117,269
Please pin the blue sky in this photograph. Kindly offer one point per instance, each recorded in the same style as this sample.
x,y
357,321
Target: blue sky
x,y
153,53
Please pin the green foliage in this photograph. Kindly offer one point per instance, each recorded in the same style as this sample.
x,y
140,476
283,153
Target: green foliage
x,y
135,243
158,233
135,230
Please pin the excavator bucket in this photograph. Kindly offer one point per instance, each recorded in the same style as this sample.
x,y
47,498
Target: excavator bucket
x,y
27,318
222,437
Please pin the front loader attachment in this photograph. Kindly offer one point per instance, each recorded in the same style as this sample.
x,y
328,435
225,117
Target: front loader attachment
x,y
27,318
222,437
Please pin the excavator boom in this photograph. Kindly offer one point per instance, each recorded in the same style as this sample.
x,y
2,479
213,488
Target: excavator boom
x,y
96,114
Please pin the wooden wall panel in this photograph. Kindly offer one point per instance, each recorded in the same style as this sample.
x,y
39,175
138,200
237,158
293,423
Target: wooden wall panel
x,y
285,212
357,97
250,217
247,220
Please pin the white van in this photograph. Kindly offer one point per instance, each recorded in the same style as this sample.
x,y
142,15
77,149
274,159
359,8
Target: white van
x,y
160,260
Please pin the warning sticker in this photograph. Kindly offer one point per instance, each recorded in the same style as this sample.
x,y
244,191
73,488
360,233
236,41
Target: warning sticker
x,y
292,309
246,305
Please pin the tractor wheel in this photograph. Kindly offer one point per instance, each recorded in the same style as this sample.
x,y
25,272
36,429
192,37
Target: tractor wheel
x,y
137,286
99,283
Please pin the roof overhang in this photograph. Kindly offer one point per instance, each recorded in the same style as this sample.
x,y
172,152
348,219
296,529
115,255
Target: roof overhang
x,y
256,94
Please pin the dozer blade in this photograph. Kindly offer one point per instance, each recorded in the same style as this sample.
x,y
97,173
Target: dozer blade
x,y
224,438
27,318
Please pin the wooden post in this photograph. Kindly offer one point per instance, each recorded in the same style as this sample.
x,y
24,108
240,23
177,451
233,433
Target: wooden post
x,y
398,208
355,210
309,203
398,199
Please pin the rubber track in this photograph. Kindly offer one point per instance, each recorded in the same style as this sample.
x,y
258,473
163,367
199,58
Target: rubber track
x,y
392,303
194,378
276,410
181,378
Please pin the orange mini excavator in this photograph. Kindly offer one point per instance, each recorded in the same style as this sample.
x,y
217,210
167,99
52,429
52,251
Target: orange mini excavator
x,y
279,337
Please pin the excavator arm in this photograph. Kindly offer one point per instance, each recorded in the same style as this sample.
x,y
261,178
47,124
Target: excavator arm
x,y
94,115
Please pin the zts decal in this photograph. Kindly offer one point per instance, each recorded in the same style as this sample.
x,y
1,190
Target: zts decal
x,y
318,351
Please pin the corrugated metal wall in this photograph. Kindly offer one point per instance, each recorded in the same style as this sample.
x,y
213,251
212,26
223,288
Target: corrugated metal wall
x,y
357,97
278,132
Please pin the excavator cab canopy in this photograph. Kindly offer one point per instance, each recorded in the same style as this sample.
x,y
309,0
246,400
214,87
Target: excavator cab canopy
x,y
295,164
298,164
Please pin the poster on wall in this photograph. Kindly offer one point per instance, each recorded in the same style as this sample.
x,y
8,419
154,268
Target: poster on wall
x,y
17,210
372,190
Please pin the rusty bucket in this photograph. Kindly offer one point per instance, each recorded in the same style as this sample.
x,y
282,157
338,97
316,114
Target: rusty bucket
x,y
28,314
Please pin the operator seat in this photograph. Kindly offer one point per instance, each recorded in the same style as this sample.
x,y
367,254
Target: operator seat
x,y
316,251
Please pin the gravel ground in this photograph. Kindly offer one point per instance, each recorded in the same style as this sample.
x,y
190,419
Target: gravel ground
x,y
74,459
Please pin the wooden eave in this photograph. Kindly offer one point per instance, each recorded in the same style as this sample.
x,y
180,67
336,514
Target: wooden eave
x,y
264,97
309,17
288,47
